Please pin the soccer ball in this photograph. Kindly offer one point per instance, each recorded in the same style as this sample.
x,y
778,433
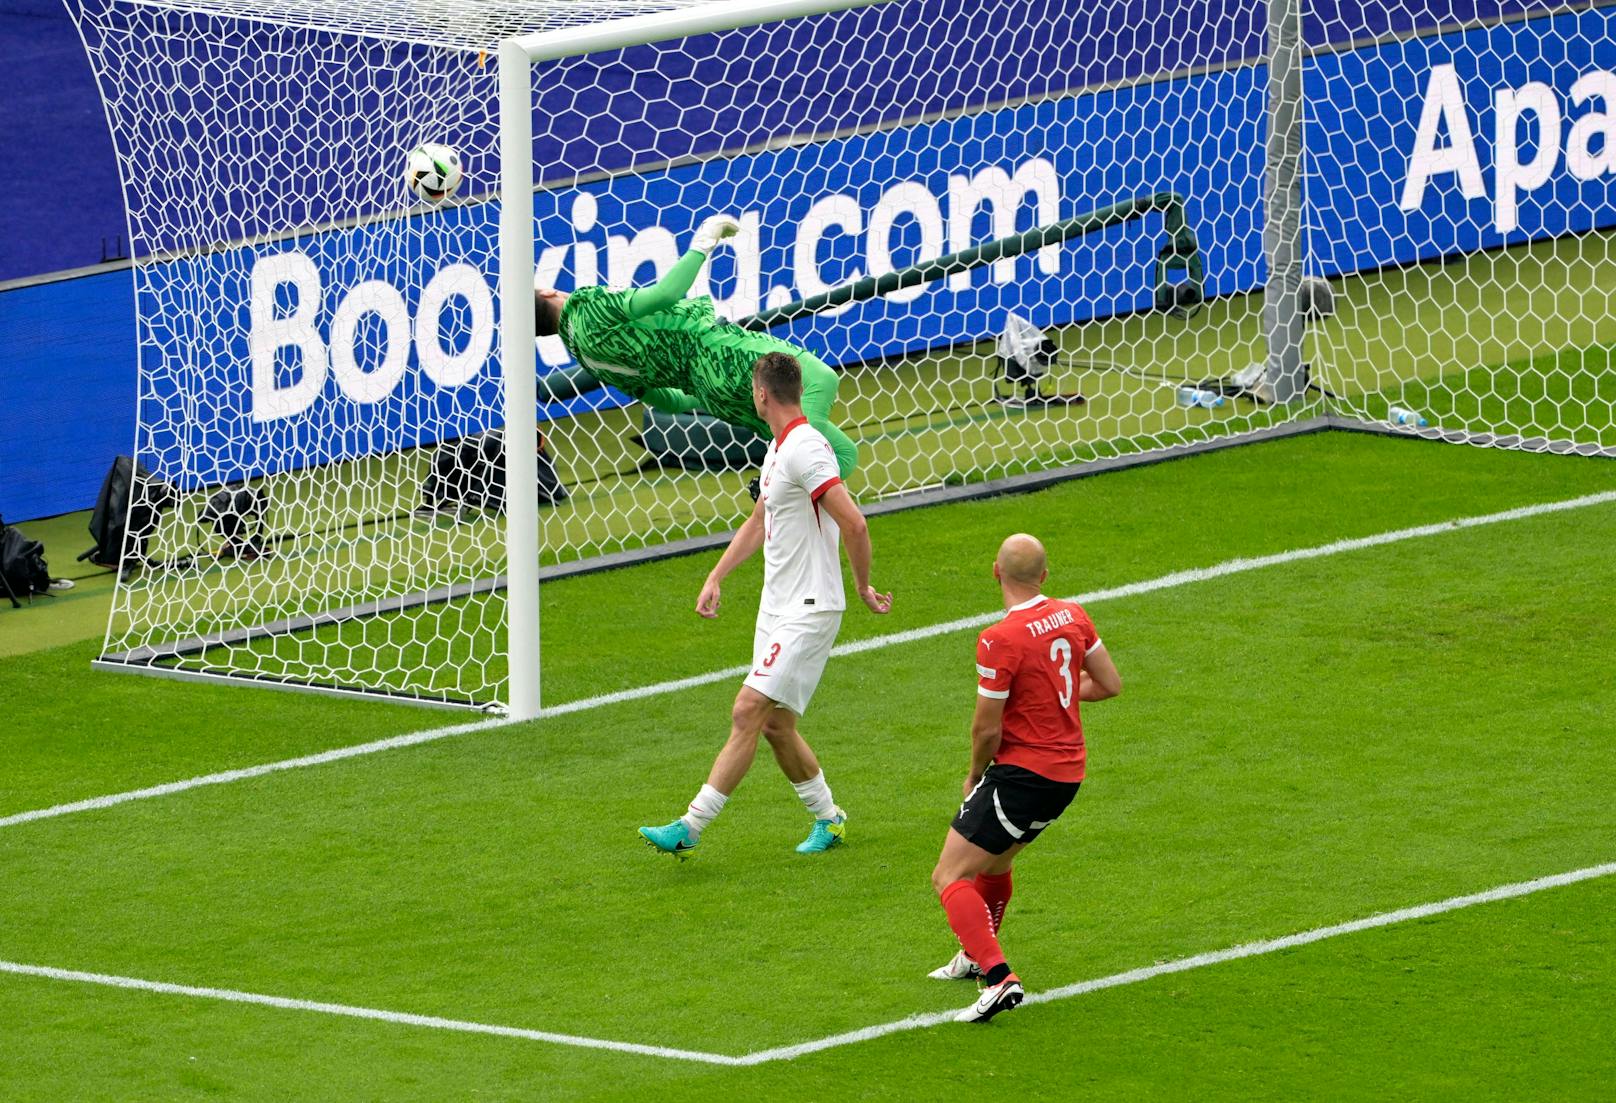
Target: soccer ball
x,y
432,172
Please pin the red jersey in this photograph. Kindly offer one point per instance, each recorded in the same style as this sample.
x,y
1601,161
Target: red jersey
x,y
1031,660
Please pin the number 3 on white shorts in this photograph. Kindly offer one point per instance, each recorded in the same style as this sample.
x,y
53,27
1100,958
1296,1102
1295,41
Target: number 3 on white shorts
x,y
1061,651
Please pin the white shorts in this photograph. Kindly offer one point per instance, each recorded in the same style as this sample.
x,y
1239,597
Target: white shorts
x,y
788,656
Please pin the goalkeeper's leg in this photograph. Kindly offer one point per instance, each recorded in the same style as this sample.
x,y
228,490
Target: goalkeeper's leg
x,y
819,383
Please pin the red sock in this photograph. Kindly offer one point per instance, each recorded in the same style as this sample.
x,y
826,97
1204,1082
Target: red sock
x,y
973,926
995,891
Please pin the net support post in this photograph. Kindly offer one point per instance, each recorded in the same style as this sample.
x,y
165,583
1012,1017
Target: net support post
x,y
519,378
1283,322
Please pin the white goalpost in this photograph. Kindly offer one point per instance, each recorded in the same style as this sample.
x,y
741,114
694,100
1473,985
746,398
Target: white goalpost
x,y
1032,238
517,58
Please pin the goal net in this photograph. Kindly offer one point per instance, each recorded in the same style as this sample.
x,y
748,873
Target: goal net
x,y
1027,235
1460,185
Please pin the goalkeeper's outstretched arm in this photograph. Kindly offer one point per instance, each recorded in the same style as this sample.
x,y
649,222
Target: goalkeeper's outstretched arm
x,y
670,400
548,302
676,284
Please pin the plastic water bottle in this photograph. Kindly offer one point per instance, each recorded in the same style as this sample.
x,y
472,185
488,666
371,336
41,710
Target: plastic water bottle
x,y
1401,415
1196,396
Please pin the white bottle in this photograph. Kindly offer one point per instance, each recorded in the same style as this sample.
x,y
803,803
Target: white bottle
x,y
1401,415
1196,396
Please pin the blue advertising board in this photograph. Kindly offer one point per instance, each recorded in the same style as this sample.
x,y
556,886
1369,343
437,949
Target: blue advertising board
x,y
663,103
1468,140
369,339
360,340
821,215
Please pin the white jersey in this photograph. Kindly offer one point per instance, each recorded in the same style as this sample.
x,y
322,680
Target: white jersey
x,y
802,564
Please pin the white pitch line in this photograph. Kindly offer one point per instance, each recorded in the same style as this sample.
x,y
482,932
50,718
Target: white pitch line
x,y
227,776
834,1041
430,1022
1132,589
1215,957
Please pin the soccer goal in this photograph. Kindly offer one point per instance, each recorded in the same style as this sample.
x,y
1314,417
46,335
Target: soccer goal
x,y
1033,238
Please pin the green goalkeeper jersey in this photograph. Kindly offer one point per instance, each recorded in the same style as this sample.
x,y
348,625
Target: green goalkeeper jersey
x,y
639,345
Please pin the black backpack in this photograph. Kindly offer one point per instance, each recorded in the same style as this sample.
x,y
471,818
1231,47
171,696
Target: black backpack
x,y
22,566
237,514
470,473
126,515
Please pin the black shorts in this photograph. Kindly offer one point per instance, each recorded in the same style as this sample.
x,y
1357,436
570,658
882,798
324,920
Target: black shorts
x,y
1011,805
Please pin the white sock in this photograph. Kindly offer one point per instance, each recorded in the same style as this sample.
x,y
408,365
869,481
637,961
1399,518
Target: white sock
x,y
816,795
704,810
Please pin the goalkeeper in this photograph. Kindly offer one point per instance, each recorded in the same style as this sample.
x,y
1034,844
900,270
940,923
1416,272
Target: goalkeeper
x,y
674,354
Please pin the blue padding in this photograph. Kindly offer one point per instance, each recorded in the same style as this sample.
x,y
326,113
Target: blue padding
x,y
67,370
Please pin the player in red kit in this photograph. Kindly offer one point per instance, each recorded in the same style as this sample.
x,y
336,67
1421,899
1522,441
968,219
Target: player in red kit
x,y
1027,758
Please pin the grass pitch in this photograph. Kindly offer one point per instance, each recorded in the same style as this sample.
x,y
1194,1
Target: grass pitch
x,y
1297,746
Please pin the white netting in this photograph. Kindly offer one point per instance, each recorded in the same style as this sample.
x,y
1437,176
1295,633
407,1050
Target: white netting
x,y
1461,199
309,333
864,142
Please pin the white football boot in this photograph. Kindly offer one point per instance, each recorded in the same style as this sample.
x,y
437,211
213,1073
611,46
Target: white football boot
x,y
995,998
961,968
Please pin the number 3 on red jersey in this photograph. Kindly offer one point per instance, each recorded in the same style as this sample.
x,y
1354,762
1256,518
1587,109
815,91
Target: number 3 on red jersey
x,y
1060,651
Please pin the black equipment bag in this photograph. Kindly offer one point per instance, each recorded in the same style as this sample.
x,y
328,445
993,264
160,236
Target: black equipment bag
x,y
126,515
22,566
470,473
695,441
237,514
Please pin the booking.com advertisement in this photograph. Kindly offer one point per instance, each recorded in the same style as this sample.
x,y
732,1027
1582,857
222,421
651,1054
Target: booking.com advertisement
x,y
369,339
365,340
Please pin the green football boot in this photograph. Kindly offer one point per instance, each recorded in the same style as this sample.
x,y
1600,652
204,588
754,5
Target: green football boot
x,y
674,838
826,834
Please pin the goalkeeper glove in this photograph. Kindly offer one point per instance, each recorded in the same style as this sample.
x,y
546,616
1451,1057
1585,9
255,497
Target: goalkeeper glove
x,y
715,229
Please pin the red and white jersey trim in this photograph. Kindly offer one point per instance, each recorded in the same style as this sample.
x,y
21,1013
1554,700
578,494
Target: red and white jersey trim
x,y
1032,661
818,492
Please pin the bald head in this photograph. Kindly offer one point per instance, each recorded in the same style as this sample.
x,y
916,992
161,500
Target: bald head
x,y
1022,561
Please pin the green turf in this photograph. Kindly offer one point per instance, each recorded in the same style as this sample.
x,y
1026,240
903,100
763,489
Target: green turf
x,y
1348,470
64,616
1296,746
1484,311
1216,507
1574,389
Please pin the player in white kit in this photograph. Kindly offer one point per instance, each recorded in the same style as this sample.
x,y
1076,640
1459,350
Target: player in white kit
x,y
803,513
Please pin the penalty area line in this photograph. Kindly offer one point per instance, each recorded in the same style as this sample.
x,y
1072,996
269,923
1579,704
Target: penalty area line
x,y
1215,957
429,1022
834,1041
855,647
